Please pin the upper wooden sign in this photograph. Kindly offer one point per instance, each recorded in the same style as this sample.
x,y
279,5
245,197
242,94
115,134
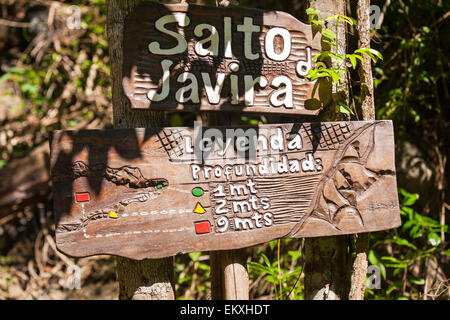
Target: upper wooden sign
x,y
146,193
187,57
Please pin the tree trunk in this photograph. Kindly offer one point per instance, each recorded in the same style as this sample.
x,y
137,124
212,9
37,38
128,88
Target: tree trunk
x,y
327,265
327,268
365,70
360,263
147,279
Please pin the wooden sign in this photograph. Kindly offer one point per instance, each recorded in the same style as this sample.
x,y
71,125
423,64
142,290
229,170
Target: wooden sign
x,y
146,193
187,57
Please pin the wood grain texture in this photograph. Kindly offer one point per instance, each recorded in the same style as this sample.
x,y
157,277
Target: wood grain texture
x,y
143,71
151,197
148,278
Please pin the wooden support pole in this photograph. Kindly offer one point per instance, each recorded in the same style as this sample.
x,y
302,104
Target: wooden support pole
x,y
147,279
327,262
229,275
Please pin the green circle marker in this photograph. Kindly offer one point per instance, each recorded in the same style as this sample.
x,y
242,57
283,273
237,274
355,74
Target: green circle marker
x,y
159,186
197,192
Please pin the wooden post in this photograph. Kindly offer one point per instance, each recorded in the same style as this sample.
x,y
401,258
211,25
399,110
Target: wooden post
x,y
147,279
229,274
327,265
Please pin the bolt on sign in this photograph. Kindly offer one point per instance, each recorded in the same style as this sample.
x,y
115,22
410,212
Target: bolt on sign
x,y
152,193
187,57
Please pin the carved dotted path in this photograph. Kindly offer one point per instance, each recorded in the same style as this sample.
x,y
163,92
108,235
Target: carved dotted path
x,y
134,214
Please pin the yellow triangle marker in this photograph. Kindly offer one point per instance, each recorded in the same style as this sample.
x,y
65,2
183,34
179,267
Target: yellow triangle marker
x,y
113,215
199,208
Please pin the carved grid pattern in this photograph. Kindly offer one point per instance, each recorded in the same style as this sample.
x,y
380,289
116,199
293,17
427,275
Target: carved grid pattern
x,y
330,136
264,67
171,141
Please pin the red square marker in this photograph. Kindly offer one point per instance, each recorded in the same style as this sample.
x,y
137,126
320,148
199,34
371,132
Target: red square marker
x,y
202,227
82,197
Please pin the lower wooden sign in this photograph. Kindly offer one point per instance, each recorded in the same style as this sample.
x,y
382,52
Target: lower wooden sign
x,y
152,193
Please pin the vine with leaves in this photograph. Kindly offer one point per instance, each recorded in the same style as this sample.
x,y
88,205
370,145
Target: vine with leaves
x,y
328,62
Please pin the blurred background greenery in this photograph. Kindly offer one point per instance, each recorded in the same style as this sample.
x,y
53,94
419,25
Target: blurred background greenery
x,y
53,77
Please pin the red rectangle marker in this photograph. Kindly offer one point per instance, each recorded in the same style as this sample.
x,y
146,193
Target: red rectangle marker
x,y
82,197
202,227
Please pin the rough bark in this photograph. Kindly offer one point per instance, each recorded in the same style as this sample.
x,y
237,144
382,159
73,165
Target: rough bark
x,y
327,268
365,70
360,263
147,279
327,265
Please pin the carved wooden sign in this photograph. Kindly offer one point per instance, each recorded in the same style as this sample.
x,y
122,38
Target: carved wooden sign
x,y
146,193
187,57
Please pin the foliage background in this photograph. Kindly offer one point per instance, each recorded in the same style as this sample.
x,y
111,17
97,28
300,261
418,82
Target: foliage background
x,y
55,78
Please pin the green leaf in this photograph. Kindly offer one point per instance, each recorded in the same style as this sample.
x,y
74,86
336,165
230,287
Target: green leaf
x,y
259,267
204,266
331,43
294,255
266,260
317,22
403,242
17,70
72,123
290,274
340,17
29,88
272,278
336,56
417,281
352,59
426,29
343,108
272,244
408,198
329,34
335,76
372,53
396,263
195,255
311,11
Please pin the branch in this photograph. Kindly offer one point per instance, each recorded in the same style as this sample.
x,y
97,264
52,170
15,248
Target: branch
x,y
15,24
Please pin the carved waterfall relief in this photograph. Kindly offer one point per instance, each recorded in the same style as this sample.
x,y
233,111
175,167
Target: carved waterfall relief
x,y
152,193
188,58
